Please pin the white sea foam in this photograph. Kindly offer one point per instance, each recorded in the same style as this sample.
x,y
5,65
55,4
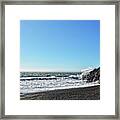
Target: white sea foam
x,y
40,84
29,86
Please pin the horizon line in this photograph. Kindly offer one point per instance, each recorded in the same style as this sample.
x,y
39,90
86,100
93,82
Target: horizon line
x,y
55,70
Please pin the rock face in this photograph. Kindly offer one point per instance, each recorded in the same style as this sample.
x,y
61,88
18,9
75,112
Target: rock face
x,y
92,76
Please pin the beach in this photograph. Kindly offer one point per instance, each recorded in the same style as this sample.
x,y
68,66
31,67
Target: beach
x,y
82,93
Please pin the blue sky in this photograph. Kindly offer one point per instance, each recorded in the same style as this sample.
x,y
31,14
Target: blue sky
x,y
59,45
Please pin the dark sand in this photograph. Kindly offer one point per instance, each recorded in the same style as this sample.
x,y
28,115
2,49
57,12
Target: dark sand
x,y
87,93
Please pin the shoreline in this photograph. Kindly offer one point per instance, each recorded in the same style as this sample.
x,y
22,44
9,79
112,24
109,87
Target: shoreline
x,y
84,93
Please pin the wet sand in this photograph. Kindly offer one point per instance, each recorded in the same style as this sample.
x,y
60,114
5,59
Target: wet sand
x,y
86,93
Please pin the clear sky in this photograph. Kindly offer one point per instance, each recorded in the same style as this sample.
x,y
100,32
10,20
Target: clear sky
x,y
59,45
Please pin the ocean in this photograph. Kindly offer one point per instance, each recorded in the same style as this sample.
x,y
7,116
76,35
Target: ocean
x,y
32,82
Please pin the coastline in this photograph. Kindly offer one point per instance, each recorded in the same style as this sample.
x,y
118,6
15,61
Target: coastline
x,y
86,93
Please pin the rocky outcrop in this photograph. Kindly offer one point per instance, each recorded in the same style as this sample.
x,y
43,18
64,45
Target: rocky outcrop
x,y
92,76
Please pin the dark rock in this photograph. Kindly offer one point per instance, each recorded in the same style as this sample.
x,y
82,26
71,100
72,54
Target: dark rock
x,y
93,75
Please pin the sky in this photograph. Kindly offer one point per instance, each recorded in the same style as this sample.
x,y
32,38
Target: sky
x,y
59,45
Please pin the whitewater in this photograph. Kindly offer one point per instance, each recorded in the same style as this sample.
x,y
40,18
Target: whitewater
x,y
27,85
